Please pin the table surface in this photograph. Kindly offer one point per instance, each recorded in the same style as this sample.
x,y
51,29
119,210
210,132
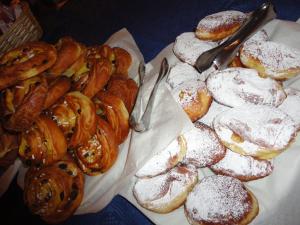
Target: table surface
x,y
154,25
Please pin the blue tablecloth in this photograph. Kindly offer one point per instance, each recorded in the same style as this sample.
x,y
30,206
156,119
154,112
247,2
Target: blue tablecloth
x,y
154,25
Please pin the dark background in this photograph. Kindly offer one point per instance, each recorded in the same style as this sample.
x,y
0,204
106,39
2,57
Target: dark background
x,y
154,25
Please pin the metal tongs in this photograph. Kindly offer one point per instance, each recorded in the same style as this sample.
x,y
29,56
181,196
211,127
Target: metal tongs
x,y
223,54
140,122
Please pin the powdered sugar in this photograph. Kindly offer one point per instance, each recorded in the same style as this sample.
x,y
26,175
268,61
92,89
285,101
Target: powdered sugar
x,y
240,166
203,146
218,199
182,72
214,21
236,86
188,48
275,58
187,92
261,35
160,190
164,160
259,127
291,105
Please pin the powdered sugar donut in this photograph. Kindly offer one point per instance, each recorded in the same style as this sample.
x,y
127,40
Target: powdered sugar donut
x,y
204,148
236,86
194,98
165,192
188,48
165,160
271,59
220,25
220,200
182,72
214,110
259,131
244,168
259,36
291,105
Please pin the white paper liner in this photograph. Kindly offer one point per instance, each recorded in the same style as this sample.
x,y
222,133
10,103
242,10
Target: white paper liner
x,y
138,147
278,194
8,175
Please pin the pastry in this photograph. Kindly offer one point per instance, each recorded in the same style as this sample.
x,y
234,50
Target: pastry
x,y
166,192
244,168
25,62
259,131
42,144
164,160
193,97
188,48
220,200
236,86
220,25
54,192
204,148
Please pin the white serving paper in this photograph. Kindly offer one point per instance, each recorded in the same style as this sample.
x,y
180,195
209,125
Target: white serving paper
x,y
138,147
279,193
8,175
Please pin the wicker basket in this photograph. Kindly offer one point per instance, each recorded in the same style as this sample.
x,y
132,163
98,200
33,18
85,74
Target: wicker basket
x,y
24,29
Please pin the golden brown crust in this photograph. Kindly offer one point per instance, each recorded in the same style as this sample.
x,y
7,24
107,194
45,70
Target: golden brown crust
x,y
100,152
43,144
25,62
23,103
122,61
58,88
115,112
124,88
54,192
68,51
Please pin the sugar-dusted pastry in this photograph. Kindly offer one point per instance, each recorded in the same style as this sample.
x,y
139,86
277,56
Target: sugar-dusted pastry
x,y
204,148
220,25
245,168
259,131
182,72
188,47
271,59
220,200
291,105
54,192
165,160
166,192
193,97
236,86
214,109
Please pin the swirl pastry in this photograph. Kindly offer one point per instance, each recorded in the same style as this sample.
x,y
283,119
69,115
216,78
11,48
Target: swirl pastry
x,y
193,97
122,61
271,59
115,112
124,88
54,192
23,103
8,148
166,192
236,86
76,116
188,48
244,168
220,25
165,160
68,51
42,144
182,72
220,200
100,152
291,105
25,62
259,131
203,146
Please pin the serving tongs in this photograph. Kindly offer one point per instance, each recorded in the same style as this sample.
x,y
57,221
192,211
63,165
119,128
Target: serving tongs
x,y
140,121
223,54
